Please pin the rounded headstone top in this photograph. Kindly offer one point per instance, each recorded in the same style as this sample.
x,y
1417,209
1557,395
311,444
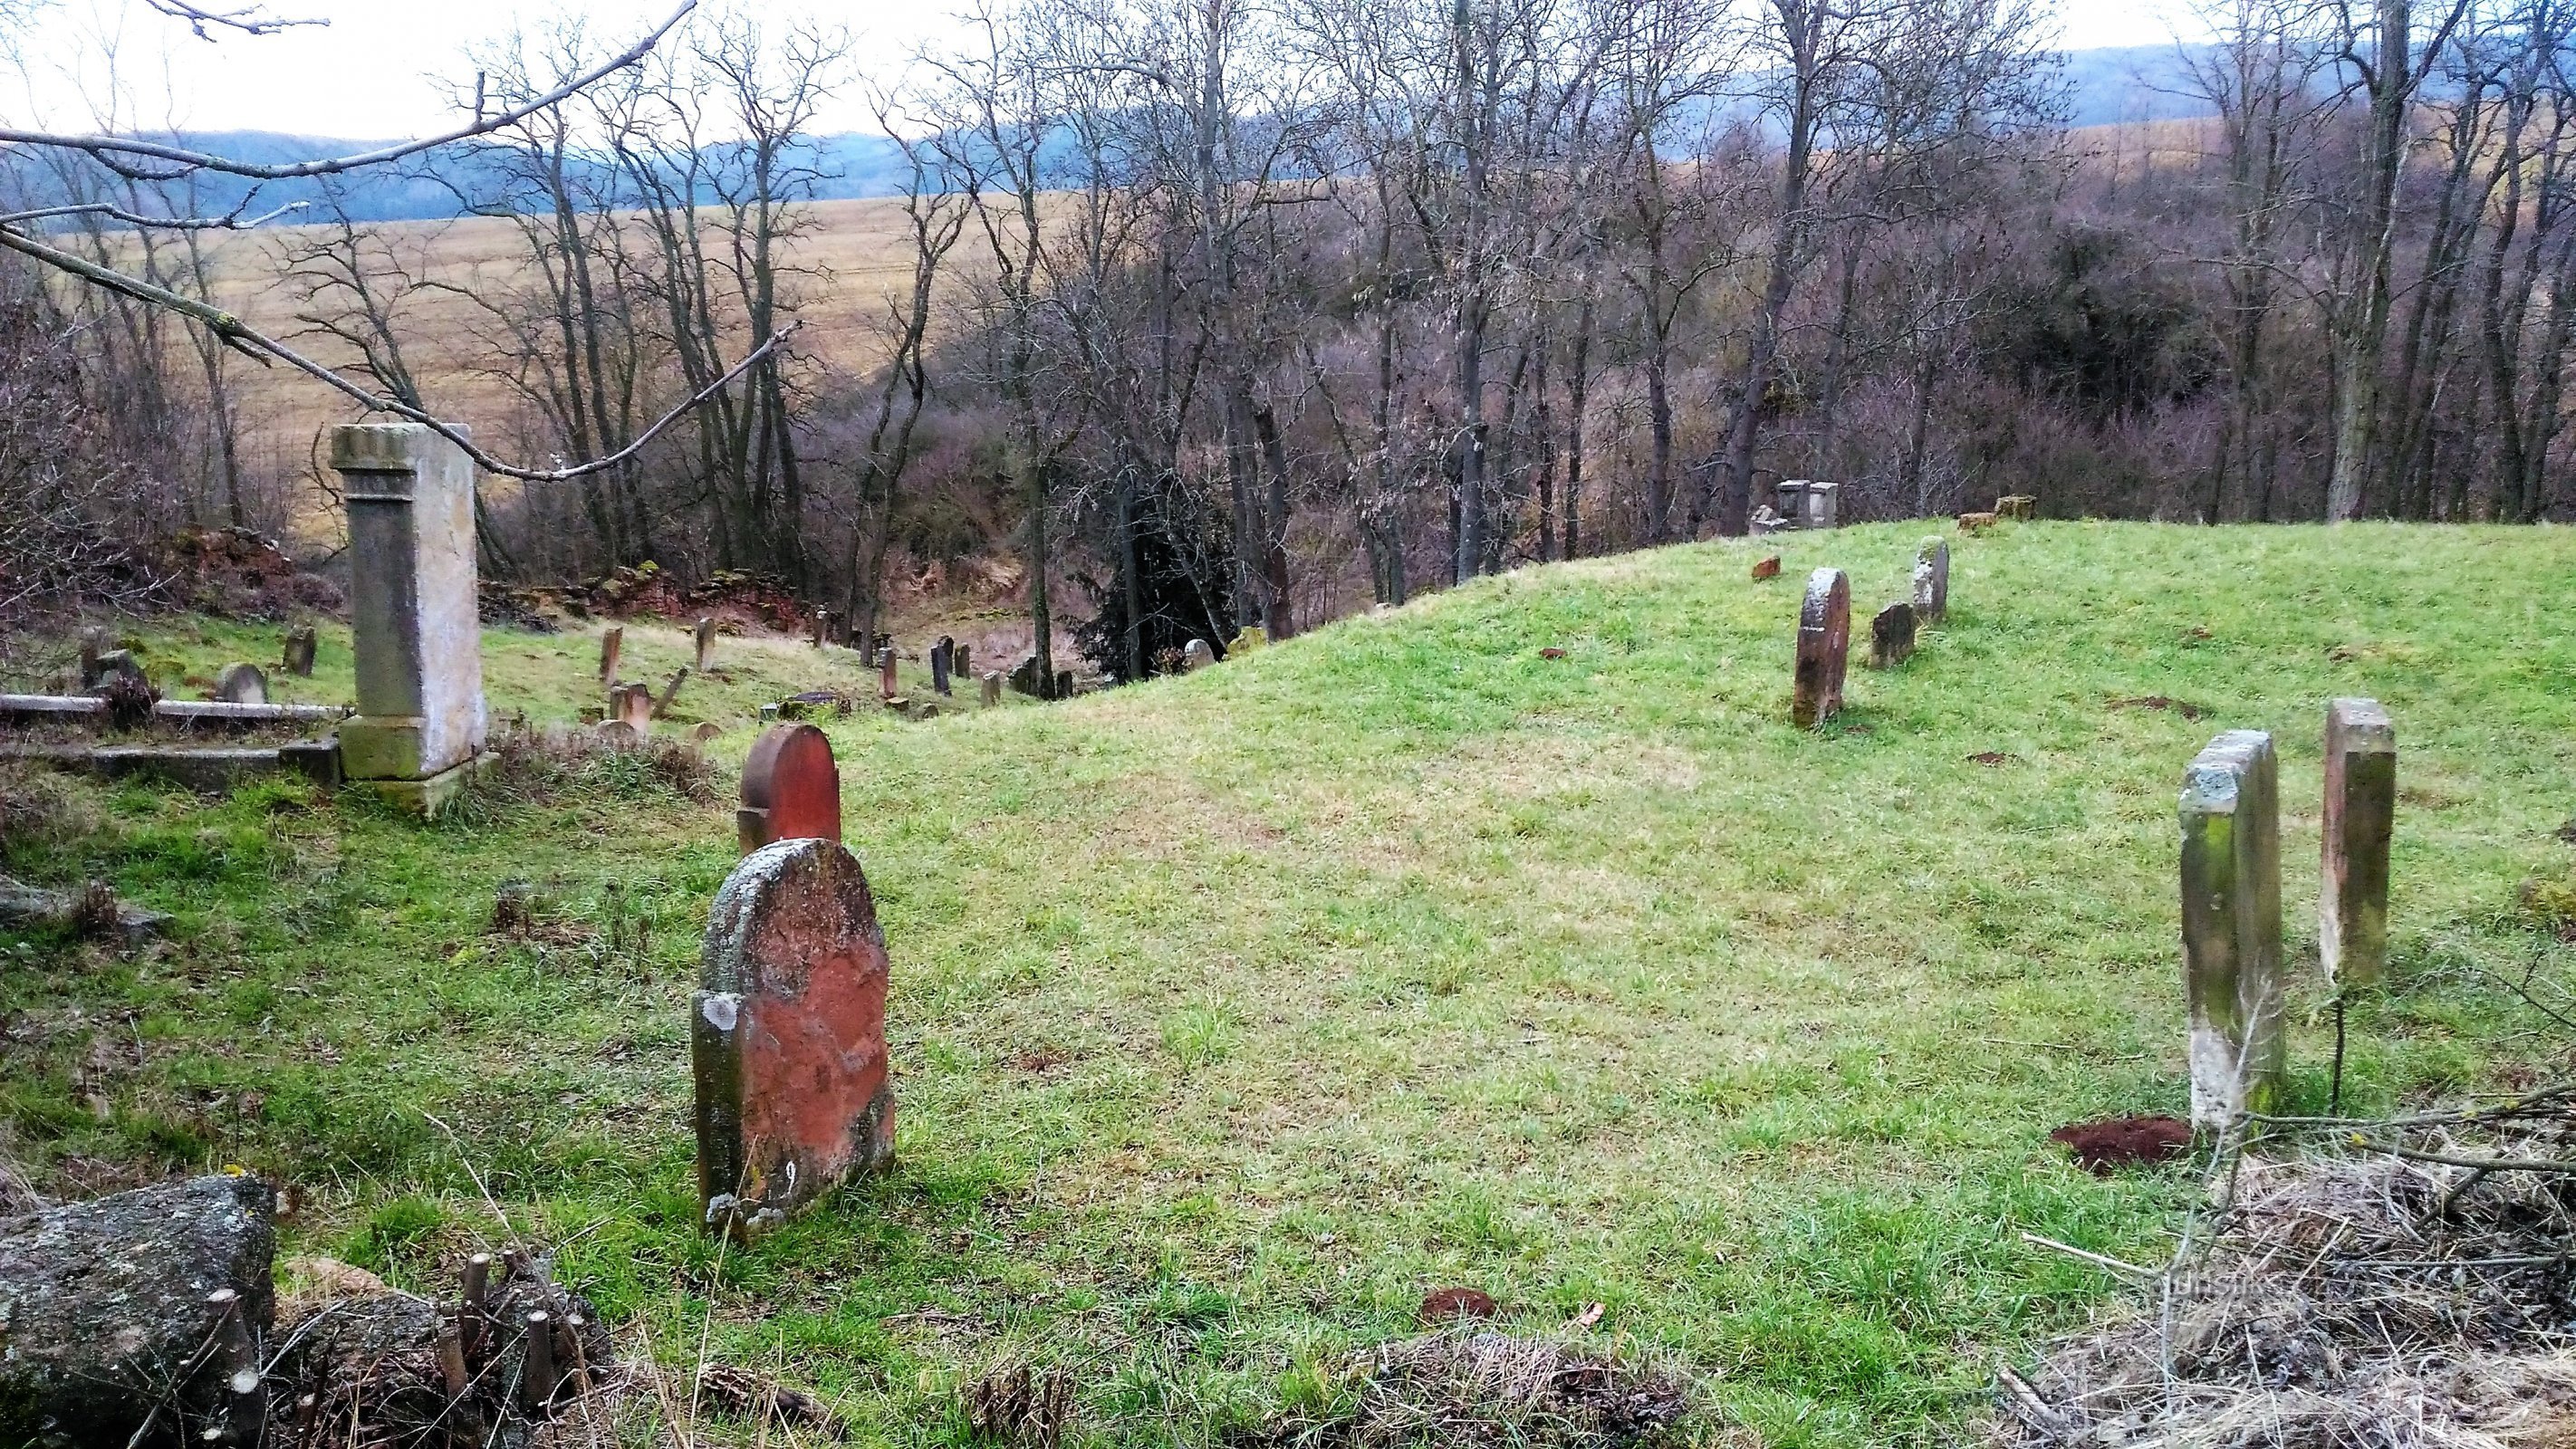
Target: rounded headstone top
x,y
790,774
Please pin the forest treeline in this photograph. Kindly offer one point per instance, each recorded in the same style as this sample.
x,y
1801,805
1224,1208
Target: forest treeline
x,y
1227,312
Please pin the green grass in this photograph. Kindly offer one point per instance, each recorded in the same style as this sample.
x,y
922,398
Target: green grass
x,y
1233,1012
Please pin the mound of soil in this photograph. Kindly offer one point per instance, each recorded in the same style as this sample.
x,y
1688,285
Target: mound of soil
x,y
1442,1305
2103,1148
232,573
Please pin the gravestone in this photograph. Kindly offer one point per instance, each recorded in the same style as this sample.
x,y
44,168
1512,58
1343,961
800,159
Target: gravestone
x,y
1932,581
1064,684
992,688
1891,636
822,627
2231,927
787,1037
1975,523
790,789
612,645
961,662
241,684
412,608
2360,816
617,734
940,654
1807,504
1824,647
1196,655
707,733
300,644
94,647
671,693
633,704
886,683
706,642
2020,507
1767,568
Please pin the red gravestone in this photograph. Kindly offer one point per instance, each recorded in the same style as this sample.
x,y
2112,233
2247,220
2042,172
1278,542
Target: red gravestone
x,y
1824,644
790,789
787,1037
1768,568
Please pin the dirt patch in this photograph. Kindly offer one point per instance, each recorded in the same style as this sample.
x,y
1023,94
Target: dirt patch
x,y
1993,757
236,573
2103,1148
2160,701
1444,1305
1482,1388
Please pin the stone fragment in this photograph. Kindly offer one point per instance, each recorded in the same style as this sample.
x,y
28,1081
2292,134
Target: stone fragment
x,y
1249,637
1196,655
612,647
300,644
138,1307
95,908
2360,818
787,1036
413,611
791,789
1891,636
992,688
241,684
2020,507
1932,581
1824,648
2231,927
1767,568
706,645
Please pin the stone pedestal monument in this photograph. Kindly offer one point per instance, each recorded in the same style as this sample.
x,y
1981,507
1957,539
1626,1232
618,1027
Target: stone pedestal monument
x,y
418,640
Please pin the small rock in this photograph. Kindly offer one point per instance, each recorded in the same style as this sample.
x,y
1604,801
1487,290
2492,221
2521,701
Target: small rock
x,y
1442,1305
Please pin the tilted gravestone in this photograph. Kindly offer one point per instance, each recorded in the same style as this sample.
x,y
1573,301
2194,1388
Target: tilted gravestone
x,y
2231,927
787,1037
1824,648
992,687
414,622
241,684
1196,655
2360,817
706,642
1891,636
1932,581
791,789
300,644
612,646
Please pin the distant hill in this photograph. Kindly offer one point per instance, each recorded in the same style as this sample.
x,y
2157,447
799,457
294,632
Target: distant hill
x,y
2132,83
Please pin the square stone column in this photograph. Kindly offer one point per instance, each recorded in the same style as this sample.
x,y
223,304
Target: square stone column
x,y
2360,816
412,607
2231,927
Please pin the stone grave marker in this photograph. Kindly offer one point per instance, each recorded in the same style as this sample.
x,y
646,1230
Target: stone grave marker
x,y
2231,927
706,642
1824,649
1767,568
1891,636
2020,507
300,644
670,693
961,662
1196,655
241,684
707,733
791,789
95,645
787,1037
1975,523
413,612
940,653
612,647
617,734
1932,581
992,688
886,682
822,627
2360,817
633,703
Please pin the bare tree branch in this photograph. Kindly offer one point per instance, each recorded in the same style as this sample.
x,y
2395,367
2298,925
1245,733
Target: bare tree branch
x,y
232,222
248,20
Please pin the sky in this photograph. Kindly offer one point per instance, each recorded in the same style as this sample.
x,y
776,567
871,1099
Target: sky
x,y
373,71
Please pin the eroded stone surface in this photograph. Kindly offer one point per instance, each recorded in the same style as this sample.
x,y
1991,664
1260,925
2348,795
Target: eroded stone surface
x,y
2360,818
1932,581
2231,927
787,1036
1891,636
1824,649
791,789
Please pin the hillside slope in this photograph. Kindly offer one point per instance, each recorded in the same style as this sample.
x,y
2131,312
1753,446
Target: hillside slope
x,y
1233,1012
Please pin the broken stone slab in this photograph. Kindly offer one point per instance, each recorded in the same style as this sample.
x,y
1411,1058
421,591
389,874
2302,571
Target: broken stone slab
x,y
208,770
787,1037
791,789
25,905
2231,928
2360,819
131,1316
1891,636
241,684
1824,649
1932,581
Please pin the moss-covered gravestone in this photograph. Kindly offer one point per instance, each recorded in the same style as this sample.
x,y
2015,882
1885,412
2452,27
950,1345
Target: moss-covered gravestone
x,y
2360,816
1824,649
787,1036
2231,927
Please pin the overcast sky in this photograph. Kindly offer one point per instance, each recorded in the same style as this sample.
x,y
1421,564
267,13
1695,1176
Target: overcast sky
x,y
371,73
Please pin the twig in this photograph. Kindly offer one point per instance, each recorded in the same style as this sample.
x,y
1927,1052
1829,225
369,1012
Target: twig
x,y
2096,1259
231,221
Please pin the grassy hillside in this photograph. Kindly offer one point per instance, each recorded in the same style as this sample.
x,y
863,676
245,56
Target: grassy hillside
x,y
1233,1012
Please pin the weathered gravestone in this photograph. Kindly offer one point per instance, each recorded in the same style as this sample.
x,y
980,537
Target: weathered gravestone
x,y
632,704
2360,816
939,657
822,627
1891,636
300,644
2231,927
2020,507
1767,567
992,687
1806,504
791,789
412,607
1196,655
961,662
1932,581
887,684
787,1036
706,642
1824,647
612,646
94,644
241,684
617,734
